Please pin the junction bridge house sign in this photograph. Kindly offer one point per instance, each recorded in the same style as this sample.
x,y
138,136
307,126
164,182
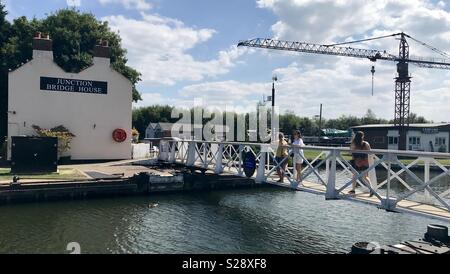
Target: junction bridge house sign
x,y
73,85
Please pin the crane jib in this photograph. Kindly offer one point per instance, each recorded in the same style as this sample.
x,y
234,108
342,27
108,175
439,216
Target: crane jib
x,y
372,55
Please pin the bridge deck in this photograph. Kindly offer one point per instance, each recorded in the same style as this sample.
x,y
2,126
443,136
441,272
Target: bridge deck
x,y
403,206
229,157
406,206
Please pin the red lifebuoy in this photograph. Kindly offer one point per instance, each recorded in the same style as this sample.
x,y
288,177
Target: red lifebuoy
x,y
119,135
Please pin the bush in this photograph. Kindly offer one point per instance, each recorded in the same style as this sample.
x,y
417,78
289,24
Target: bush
x,y
3,152
62,133
135,135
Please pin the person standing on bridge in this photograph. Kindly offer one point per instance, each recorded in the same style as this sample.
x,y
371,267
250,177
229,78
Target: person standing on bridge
x,y
298,153
281,157
360,161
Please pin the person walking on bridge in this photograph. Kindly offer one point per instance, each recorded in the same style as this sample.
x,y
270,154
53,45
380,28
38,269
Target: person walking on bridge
x,y
360,161
298,153
281,158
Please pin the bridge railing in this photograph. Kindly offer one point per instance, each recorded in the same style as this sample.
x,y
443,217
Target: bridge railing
x,y
392,176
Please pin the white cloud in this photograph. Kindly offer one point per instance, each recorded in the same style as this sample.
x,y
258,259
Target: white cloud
x,y
151,99
325,21
9,9
345,89
230,95
158,47
219,95
73,3
140,5
344,86
226,94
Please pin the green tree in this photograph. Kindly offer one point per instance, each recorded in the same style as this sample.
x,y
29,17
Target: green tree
x,y
289,121
4,26
416,119
152,114
370,114
5,29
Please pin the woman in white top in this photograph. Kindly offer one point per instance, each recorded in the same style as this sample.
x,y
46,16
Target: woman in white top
x,y
298,153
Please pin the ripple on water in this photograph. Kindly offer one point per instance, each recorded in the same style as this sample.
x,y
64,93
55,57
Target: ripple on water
x,y
239,221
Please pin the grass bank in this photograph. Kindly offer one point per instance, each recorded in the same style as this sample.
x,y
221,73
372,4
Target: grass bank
x,y
62,174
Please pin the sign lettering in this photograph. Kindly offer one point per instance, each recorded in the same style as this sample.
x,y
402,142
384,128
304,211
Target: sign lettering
x,y
430,130
73,85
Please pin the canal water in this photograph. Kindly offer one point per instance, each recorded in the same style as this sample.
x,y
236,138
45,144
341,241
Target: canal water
x,y
264,220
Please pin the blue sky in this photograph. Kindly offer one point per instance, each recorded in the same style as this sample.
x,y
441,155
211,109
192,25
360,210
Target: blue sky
x,y
186,49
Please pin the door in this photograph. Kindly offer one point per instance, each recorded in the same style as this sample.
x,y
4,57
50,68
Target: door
x,y
13,130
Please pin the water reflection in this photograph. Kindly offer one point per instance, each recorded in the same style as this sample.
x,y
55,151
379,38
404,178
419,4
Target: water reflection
x,y
238,221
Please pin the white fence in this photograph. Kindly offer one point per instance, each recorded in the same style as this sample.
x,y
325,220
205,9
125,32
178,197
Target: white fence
x,y
140,151
402,175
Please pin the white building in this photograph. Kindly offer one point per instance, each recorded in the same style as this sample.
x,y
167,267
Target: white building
x,y
158,130
92,104
419,137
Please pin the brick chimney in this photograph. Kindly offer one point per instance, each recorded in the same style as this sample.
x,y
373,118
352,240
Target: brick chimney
x,y
102,53
42,46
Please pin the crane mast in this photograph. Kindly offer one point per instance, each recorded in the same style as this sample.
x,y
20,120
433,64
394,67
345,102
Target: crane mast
x,y
402,81
402,93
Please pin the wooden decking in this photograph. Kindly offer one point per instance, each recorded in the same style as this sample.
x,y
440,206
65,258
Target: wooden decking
x,y
406,206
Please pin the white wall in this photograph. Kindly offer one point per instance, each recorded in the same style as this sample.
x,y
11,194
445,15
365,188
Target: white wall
x,y
141,151
426,138
393,133
76,111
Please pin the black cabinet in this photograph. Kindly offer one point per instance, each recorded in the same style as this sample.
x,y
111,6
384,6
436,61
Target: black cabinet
x,y
34,154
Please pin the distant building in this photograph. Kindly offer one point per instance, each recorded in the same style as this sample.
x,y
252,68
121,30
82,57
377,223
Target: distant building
x,y
158,130
183,131
419,137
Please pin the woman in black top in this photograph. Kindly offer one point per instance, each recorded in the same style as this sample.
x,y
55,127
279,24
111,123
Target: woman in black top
x,y
360,161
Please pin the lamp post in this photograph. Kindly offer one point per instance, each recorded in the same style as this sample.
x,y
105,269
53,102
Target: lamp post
x,y
274,79
320,121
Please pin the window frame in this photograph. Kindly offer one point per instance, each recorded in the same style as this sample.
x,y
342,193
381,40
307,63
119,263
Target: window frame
x,y
440,141
392,140
415,140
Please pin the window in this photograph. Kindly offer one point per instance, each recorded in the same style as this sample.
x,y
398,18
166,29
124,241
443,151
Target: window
x,y
393,140
414,141
440,141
